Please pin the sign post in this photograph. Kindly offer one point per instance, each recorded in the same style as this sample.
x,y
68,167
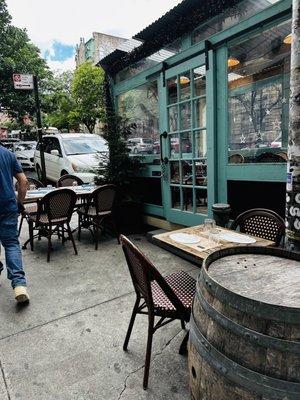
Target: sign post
x,y
30,82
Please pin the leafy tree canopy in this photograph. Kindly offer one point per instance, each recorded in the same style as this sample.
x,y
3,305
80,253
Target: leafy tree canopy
x,y
87,94
17,55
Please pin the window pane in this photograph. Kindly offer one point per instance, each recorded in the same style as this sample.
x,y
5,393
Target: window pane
x,y
199,81
185,116
175,197
200,144
174,172
139,106
173,119
258,97
185,86
187,199
200,113
174,147
172,91
201,173
201,201
186,145
187,172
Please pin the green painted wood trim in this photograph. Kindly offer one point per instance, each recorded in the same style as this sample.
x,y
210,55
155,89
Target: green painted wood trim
x,y
152,209
268,172
221,123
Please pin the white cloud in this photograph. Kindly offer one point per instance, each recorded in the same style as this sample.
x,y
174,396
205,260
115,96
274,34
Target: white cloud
x,y
66,65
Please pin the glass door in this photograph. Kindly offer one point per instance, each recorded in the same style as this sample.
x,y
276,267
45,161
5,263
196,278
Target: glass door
x,y
185,150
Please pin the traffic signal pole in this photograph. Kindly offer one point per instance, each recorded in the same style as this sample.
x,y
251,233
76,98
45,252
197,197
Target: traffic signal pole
x,y
39,128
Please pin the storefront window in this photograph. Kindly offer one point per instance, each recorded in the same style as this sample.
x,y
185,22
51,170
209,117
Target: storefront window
x,y
140,106
258,95
230,17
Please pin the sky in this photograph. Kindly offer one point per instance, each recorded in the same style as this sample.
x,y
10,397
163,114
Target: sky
x,y
56,26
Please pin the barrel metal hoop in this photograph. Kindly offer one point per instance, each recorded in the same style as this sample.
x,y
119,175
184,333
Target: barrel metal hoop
x,y
253,307
254,337
246,378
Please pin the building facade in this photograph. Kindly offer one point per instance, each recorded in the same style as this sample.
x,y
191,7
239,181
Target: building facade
x,y
208,88
96,48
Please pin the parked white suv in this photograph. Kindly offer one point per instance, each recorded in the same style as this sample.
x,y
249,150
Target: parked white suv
x,y
72,153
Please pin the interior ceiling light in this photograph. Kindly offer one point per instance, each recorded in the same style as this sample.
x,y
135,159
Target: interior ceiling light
x,y
184,80
232,62
288,39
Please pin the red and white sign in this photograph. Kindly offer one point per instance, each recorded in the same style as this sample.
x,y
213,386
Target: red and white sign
x,y
23,82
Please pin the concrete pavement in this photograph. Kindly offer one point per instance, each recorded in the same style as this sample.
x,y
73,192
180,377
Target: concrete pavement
x,y
67,344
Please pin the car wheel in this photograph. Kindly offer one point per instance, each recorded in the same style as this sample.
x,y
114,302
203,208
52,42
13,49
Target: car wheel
x,y
39,172
63,172
135,150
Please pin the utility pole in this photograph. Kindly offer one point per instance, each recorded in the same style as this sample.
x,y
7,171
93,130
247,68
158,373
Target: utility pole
x,y
293,165
39,128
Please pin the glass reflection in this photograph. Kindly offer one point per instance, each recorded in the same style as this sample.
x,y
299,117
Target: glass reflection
x,y
173,118
185,86
201,201
187,199
175,197
187,172
200,144
201,173
200,113
174,172
186,144
185,116
174,145
172,91
199,81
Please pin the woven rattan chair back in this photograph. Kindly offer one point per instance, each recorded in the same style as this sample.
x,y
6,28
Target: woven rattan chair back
x,y
58,205
103,198
143,272
68,180
262,223
30,182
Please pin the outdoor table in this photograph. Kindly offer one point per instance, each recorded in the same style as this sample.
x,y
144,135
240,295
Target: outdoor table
x,y
197,252
35,195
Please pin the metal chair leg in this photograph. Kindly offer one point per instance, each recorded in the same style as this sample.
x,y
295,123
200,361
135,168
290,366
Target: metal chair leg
x,y
49,243
131,323
183,346
71,237
148,351
21,223
30,225
79,227
96,234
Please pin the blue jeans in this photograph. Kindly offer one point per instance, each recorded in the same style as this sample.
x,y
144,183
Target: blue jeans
x,y
10,241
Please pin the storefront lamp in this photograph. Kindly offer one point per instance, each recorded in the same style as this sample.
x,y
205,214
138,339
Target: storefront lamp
x,y
232,62
184,80
288,39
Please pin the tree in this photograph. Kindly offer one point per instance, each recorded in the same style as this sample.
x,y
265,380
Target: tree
x,y
17,55
293,166
87,94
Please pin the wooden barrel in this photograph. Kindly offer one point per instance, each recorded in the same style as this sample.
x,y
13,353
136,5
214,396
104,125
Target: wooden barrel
x,y
245,326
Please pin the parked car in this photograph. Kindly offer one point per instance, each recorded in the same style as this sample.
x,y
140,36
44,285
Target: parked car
x,y
140,145
9,143
72,153
25,153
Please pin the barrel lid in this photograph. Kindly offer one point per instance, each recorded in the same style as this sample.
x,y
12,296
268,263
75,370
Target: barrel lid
x,y
220,206
256,280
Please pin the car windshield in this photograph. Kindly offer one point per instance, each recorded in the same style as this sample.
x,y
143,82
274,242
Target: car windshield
x,y
84,145
25,146
147,141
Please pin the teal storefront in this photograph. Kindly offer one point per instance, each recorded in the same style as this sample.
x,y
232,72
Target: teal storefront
x,y
208,88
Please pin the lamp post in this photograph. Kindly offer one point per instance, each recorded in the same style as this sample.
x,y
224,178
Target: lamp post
x,y
293,165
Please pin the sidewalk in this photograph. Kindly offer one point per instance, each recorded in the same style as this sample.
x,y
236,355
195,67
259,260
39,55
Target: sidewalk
x,y
67,344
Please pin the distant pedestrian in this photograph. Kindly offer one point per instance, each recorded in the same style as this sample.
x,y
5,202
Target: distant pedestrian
x,y
9,209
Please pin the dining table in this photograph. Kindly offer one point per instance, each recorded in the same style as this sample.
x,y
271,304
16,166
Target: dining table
x,y
82,192
195,243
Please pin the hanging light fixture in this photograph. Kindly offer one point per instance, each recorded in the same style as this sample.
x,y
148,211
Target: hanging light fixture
x,y
184,80
232,62
288,39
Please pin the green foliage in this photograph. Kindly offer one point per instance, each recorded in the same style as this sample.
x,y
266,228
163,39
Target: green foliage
x,y
87,94
17,55
121,167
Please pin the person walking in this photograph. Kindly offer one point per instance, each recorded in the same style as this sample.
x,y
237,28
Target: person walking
x,y
10,206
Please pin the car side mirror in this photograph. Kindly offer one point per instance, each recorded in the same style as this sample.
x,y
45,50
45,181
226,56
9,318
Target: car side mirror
x,y
55,153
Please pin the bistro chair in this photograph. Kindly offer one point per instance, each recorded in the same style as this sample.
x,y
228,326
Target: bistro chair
x,y
260,222
29,208
168,298
68,180
54,212
98,211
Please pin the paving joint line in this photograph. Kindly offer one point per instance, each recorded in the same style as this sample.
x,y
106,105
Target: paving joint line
x,y
64,316
4,380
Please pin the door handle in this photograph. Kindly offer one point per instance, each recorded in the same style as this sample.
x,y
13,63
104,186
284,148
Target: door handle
x,y
161,136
